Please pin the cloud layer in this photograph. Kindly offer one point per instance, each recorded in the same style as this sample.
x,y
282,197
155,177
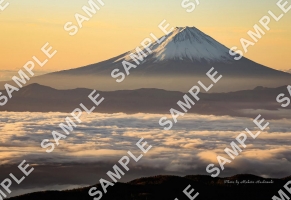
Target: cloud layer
x,y
102,139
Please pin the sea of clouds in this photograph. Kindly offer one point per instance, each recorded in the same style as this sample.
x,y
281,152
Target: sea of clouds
x,y
102,139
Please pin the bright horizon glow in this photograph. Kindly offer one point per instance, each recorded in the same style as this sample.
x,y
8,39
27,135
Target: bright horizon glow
x,y
120,26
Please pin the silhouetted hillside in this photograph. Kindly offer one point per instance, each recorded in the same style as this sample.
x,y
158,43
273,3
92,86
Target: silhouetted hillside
x,y
171,187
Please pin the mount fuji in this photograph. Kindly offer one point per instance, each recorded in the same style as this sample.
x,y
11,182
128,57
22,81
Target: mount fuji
x,y
186,43
177,63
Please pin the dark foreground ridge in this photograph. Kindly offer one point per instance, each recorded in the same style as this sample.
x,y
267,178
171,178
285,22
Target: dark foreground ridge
x,y
38,98
171,187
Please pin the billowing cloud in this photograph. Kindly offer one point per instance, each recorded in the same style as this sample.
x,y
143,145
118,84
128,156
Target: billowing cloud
x,y
102,139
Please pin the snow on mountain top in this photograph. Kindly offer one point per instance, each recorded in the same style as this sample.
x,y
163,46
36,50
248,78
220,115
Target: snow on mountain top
x,y
187,43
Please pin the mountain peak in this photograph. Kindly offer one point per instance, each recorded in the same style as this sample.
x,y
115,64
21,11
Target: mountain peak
x,y
187,43
36,87
186,28
190,33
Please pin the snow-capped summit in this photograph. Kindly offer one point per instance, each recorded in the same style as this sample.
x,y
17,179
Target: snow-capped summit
x,y
187,43
190,43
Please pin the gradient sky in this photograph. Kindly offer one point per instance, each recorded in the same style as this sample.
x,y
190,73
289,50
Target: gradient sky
x,y
121,25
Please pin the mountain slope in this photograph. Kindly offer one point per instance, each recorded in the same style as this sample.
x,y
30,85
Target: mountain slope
x,y
177,63
185,51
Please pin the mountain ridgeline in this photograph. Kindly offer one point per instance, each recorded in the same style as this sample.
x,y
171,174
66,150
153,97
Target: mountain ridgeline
x,y
239,187
38,98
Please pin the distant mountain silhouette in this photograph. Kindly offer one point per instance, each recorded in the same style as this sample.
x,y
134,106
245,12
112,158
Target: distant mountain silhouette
x,y
171,187
38,98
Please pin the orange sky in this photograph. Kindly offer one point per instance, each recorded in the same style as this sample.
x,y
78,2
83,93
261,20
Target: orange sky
x,y
120,26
